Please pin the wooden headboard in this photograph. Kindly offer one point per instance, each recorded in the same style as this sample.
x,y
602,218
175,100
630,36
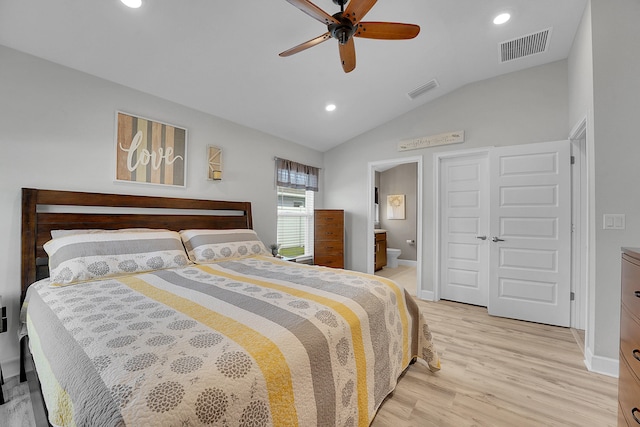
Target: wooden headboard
x,y
42,211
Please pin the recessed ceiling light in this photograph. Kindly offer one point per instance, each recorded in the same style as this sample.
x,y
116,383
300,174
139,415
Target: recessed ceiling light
x,y
134,4
330,107
501,19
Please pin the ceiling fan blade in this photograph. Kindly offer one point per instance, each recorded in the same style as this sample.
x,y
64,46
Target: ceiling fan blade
x,y
314,11
356,9
387,30
348,55
306,45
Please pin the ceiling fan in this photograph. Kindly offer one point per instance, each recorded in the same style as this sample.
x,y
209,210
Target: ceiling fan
x,y
346,24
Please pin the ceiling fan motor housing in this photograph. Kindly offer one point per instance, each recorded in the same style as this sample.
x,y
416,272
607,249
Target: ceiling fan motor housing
x,y
342,31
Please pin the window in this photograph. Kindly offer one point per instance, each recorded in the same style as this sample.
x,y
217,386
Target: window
x,y
295,184
295,222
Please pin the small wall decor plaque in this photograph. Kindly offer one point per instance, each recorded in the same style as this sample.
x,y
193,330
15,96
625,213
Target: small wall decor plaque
x,y
431,141
150,152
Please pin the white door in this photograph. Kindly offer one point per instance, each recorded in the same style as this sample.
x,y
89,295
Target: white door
x,y
530,268
464,207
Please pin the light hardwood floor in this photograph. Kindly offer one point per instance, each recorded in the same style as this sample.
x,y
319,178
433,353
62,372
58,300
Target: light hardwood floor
x,y
499,372
495,372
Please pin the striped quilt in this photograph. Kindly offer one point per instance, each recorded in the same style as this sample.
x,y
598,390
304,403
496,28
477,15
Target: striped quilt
x,y
245,342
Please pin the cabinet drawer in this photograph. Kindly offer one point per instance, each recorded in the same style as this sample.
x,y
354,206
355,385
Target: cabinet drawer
x,y
630,340
629,393
381,237
329,219
631,284
334,260
333,232
333,247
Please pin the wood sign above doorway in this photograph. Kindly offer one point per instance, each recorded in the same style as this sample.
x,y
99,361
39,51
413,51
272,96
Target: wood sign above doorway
x,y
431,141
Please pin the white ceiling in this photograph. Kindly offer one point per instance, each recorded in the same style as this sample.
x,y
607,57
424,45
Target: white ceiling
x,y
221,57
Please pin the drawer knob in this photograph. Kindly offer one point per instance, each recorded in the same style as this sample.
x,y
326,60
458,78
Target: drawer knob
x,y
637,294
634,411
636,354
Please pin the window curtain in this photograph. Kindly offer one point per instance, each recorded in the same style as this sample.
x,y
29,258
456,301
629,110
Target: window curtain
x,y
296,175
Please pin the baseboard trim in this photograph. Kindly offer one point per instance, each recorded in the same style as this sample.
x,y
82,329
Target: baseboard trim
x,y
11,368
426,295
601,365
407,262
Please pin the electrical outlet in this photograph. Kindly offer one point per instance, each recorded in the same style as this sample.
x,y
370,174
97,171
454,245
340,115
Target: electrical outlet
x,y
613,221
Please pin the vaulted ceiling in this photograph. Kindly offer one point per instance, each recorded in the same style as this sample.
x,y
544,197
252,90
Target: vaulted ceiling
x,y
222,57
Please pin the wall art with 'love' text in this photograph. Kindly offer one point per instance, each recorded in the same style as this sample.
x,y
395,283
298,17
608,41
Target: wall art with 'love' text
x,y
150,152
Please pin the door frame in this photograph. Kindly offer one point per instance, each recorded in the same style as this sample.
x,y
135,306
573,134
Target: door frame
x,y
372,168
580,218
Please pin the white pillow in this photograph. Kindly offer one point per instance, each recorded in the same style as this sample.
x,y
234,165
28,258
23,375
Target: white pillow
x,y
205,246
81,257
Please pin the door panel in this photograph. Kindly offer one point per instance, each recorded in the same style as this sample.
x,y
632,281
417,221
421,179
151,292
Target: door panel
x,y
531,221
464,198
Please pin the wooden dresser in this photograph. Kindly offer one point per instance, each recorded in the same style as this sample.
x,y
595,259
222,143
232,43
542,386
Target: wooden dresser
x,y
629,380
380,257
328,247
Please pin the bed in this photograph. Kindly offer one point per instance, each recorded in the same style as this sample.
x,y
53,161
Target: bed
x,y
169,311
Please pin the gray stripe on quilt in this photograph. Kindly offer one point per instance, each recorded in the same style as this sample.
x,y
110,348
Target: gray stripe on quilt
x,y
84,386
368,301
305,331
114,247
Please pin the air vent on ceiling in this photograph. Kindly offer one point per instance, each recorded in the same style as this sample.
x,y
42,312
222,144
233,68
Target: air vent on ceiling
x,y
520,47
431,84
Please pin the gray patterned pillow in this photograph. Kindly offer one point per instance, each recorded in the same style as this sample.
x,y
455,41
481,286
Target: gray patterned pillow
x,y
81,257
205,246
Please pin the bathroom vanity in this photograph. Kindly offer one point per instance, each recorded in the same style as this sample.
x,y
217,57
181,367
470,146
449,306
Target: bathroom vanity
x,y
380,249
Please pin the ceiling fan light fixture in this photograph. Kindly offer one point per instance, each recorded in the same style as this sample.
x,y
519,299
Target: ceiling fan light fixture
x,y
134,4
502,18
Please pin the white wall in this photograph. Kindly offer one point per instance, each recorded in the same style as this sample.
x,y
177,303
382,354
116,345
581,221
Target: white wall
x,y
616,95
517,108
57,130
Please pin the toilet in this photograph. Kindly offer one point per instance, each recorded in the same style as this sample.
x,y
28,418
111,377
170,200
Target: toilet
x,y
392,257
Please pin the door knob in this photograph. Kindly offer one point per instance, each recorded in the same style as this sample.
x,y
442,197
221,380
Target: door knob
x,y
481,237
496,239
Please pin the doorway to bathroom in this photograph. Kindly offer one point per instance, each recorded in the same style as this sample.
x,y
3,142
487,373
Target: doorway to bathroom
x,y
395,209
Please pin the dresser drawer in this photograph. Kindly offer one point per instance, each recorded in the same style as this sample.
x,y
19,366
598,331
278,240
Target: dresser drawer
x,y
329,232
631,284
629,394
327,219
334,260
630,340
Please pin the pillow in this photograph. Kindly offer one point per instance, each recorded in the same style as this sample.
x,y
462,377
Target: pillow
x,y
81,257
61,233
215,245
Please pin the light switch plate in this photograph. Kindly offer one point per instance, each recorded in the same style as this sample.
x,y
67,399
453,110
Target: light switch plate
x,y
613,221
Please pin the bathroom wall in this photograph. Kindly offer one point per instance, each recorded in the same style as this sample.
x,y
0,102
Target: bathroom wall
x,y
402,179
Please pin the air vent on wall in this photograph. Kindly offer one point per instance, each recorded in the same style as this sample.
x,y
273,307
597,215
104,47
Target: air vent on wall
x,y
431,84
520,47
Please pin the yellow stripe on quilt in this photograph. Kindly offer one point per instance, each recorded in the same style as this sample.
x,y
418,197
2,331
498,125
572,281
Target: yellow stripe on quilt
x,y
61,412
279,385
345,312
402,308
